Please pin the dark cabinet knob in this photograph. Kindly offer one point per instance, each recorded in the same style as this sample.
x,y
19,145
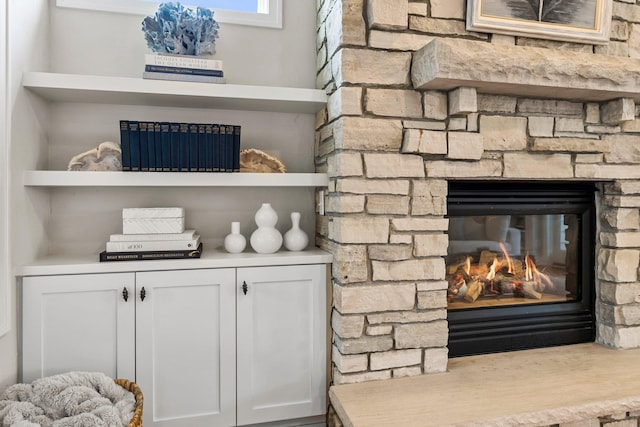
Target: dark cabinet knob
x,y
125,294
245,288
143,294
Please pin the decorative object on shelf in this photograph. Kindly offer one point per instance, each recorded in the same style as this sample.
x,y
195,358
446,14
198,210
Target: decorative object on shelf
x,y
179,30
266,239
235,242
570,20
106,157
257,161
295,239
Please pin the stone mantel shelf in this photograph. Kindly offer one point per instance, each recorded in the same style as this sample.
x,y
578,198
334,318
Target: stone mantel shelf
x,y
445,64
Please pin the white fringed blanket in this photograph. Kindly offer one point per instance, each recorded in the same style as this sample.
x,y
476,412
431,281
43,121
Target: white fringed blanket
x,y
74,399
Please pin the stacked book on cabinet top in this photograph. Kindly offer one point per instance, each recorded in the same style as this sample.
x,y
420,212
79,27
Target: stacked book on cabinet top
x,y
179,147
152,233
184,68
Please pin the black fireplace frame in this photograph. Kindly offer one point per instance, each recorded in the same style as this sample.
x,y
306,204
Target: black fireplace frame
x,y
497,329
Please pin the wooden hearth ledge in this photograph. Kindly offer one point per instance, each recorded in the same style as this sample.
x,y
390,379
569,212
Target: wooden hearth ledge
x,y
446,64
526,388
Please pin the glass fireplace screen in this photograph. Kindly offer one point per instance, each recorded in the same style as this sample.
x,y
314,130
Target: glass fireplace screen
x,y
507,260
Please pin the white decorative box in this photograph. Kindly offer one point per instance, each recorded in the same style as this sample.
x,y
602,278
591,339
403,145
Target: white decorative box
x,y
152,220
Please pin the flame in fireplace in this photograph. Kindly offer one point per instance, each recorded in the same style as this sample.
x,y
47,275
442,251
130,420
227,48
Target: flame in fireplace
x,y
494,267
530,271
507,258
467,265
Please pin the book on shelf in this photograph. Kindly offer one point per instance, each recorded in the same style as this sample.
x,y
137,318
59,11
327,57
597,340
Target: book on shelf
x,y
183,61
181,70
144,146
174,131
193,147
150,255
182,77
186,235
134,145
124,145
165,146
153,245
202,148
236,148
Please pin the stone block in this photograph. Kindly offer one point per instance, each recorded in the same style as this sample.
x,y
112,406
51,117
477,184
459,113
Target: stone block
x,y
549,107
496,103
541,126
349,363
358,229
339,378
435,105
604,129
575,145
400,239
457,123
614,48
416,8
634,39
345,26
437,285
421,335
620,293
345,203
569,124
407,372
631,126
379,330
435,360
501,133
460,169
346,101
472,122
604,171
387,205
395,359
359,133
430,245
393,165
622,218
432,300
440,26
628,315
621,239
388,14
618,111
420,224
429,197
414,269
618,265
448,9
394,102
591,422
407,317
424,124
345,164
543,166
589,158
369,186
364,344
619,30
363,66
465,145
622,201
592,114
347,326
370,299
390,252
503,39
619,337
624,149
421,141
463,100
398,41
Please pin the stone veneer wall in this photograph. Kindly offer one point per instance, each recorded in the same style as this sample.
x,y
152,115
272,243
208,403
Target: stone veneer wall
x,y
389,151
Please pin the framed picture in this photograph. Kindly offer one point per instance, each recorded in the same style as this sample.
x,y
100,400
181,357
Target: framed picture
x,y
581,21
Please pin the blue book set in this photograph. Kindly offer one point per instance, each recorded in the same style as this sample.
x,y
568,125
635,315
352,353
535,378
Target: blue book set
x,y
179,147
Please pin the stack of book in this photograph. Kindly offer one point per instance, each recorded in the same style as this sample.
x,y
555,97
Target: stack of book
x,y
186,68
179,147
152,233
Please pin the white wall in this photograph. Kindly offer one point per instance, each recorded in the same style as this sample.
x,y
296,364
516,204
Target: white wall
x,y
46,38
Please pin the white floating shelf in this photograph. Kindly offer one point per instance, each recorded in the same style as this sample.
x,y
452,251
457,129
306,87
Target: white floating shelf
x,y
171,179
211,258
139,91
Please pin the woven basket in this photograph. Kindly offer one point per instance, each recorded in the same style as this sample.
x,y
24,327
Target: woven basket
x,y
136,421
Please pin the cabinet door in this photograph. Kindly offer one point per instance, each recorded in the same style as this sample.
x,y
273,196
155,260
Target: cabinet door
x,y
281,343
78,323
185,347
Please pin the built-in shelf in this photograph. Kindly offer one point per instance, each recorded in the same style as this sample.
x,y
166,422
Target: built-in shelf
x,y
138,91
171,179
211,258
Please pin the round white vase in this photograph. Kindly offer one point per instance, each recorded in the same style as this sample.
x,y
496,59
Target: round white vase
x,y
235,242
295,239
266,239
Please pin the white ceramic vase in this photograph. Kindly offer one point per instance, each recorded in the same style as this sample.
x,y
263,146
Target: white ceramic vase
x,y
235,242
295,239
266,239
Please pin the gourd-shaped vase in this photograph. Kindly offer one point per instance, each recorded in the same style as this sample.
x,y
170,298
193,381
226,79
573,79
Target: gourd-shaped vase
x,y
295,239
235,242
266,239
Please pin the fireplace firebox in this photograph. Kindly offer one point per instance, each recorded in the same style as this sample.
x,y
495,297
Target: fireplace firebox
x,y
520,265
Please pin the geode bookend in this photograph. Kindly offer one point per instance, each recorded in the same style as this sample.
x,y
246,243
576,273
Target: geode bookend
x,y
179,30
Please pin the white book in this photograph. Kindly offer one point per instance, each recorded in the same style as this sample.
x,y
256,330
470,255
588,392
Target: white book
x,y
182,77
187,235
153,213
154,245
182,61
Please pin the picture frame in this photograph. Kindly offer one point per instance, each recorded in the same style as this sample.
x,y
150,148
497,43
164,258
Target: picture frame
x,y
580,21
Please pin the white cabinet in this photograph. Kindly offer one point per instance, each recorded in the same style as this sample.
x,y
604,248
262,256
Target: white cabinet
x,y
186,330
185,347
281,343
78,322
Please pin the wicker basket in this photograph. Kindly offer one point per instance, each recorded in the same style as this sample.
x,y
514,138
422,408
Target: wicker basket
x,y
136,421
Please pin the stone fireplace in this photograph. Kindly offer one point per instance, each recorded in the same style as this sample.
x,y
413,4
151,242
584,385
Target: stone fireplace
x,y
417,102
